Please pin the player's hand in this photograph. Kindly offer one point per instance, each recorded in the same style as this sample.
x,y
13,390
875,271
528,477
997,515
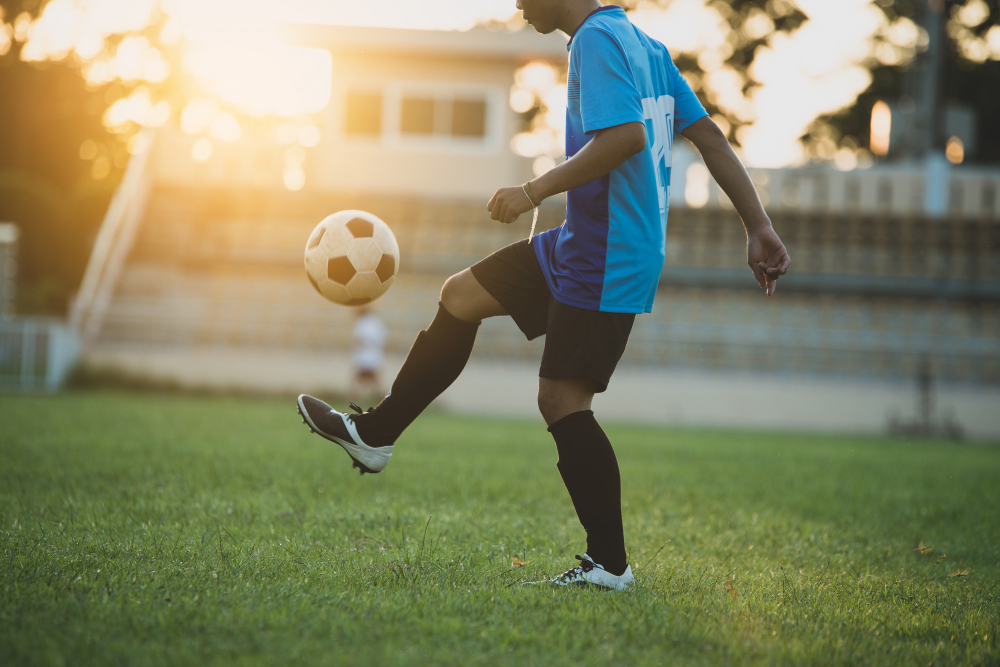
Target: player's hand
x,y
508,204
767,257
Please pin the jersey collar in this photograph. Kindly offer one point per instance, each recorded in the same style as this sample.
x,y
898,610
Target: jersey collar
x,y
596,11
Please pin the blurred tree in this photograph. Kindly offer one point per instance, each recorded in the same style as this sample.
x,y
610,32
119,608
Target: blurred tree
x,y
63,152
80,78
745,26
970,76
58,167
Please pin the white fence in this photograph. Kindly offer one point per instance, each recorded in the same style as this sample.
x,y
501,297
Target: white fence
x,y
933,188
36,354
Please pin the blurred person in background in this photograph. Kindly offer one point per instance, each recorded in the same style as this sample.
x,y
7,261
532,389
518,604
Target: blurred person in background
x,y
370,336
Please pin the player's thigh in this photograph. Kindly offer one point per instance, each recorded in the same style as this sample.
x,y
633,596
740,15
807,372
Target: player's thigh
x,y
466,299
513,276
584,344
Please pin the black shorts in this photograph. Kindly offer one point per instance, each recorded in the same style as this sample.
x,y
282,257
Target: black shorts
x,y
579,343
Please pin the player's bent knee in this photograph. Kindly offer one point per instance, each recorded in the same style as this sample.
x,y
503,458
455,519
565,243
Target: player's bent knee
x,y
545,404
451,292
553,404
457,298
465,298
561,398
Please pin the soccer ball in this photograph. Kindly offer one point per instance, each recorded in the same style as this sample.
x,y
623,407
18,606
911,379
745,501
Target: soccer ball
x,y
352,258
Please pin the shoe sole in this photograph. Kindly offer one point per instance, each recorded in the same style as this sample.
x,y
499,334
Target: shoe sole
x,y
551,584
304,414
577,584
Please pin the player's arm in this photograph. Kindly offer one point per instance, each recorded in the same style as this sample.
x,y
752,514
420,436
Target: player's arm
x,y
607,151
766,255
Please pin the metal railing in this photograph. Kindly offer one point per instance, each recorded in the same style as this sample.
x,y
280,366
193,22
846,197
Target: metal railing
x,y
891,188
36,354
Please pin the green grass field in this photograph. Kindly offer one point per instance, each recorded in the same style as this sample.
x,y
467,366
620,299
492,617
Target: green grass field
x,y
145,529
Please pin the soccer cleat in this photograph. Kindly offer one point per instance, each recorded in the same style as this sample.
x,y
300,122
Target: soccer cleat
x,y
589,573
339,427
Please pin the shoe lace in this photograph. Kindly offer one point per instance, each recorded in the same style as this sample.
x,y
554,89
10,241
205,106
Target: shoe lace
x,y
572,573
356,408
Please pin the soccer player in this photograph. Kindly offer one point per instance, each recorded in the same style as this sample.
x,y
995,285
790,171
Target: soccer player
x,y
582,284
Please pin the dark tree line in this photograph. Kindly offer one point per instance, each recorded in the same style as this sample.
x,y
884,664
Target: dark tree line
x,y
971,82
743,42
46,115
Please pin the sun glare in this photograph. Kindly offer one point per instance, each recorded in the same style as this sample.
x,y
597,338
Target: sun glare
x,y
263,75
232,50
202,150
66,26
423,15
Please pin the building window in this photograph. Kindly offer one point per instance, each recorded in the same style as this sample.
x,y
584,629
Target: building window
x,y
417,115
465,118
468,118
425,116
364,114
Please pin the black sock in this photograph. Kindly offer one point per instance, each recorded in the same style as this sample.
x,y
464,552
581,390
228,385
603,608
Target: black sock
x,y
435,360
589,469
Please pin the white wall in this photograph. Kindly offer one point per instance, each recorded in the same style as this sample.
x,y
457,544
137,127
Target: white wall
x,y
428,167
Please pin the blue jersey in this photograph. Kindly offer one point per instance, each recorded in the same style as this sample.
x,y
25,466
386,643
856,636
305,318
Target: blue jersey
x,y
608,255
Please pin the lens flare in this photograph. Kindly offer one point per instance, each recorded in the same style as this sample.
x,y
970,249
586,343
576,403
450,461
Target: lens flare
x,y
309,136
262,75
881,128
696,192
955,151
295,178
521,100
202,150
198,115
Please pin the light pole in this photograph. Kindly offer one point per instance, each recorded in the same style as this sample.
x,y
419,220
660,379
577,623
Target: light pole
x,y
937,180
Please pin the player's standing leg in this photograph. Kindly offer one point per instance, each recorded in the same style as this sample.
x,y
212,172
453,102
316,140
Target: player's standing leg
x,y
588,467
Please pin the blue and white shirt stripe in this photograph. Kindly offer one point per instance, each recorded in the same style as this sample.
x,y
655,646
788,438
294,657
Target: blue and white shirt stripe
x,y
609,253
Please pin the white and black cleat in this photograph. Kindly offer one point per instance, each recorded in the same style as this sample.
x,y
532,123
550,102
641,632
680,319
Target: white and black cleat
x,y
339,427
589,573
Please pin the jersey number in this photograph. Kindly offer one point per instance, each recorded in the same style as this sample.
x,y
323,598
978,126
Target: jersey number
x,y
660,110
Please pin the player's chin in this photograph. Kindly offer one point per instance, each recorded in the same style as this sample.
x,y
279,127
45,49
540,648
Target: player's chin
x,y
542,28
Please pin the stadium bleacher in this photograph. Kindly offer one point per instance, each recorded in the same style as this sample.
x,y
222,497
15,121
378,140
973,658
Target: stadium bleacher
x,y
870,296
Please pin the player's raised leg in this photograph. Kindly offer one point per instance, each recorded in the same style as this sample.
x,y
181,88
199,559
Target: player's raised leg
x,y
435,360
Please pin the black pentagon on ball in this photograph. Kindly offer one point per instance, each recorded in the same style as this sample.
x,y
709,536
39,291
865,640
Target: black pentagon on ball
x,y
386,268
362,229
359,302
340,270
316,237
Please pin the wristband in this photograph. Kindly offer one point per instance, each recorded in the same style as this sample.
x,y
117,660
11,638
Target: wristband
x,y
534,219
527,193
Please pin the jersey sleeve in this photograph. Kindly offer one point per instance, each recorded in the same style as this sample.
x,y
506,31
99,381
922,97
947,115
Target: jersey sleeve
x,y
608,94
687,106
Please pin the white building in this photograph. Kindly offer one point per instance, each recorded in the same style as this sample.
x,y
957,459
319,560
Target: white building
x,y
426,113
413,112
